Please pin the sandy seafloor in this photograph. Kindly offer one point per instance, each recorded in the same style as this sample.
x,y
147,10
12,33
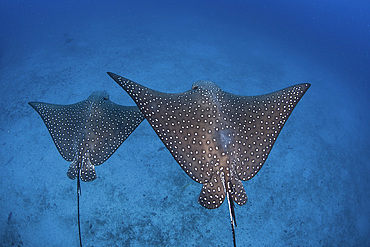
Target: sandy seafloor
x,y
313,189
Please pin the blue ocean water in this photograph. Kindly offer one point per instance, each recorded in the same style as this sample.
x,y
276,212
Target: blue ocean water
x,y
314,187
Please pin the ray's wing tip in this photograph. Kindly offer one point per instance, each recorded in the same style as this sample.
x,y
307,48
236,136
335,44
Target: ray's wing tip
x,y
302,87
113,75
122,81
305,85
33,104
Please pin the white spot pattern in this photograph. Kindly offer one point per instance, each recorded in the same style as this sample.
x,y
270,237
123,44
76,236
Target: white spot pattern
x,y
214,134
88,132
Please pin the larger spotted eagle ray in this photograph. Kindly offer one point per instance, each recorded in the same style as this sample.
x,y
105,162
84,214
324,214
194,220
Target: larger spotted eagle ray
x,y
88,133
218,138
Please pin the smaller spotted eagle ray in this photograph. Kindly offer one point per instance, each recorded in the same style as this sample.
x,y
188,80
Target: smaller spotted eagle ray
x,y
218,138
88,133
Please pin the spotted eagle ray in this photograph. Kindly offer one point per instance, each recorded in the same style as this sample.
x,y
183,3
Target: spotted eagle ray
x,y
88,133
218,138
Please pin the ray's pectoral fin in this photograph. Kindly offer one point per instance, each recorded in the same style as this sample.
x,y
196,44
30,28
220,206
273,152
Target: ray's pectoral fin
x,y
212,194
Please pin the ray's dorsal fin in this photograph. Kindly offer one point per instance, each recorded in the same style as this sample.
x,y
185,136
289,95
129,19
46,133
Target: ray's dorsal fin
x,y
215,135
88,133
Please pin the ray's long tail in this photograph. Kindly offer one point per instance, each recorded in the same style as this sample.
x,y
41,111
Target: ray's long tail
x,y
232,216
78,206
231,208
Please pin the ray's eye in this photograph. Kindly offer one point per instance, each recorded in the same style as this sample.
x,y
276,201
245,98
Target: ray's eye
x,y
195,87
106,98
